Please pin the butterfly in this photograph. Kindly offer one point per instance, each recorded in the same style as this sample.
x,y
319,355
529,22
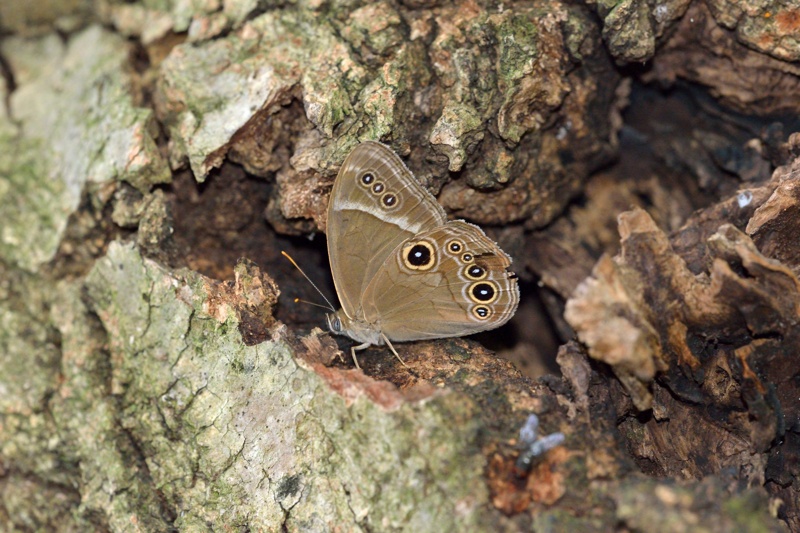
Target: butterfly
x,y
402,271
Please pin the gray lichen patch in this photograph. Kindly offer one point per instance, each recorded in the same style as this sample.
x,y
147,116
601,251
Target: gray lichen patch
x,y
150,22
208,92
28,362
32,18
375,26
76,125
113,482
235,434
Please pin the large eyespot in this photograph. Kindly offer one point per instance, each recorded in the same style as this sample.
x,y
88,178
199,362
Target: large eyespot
x,y
378,187
467,258
419,255
367,179
389,200
481,312
483,292
475,272
455,247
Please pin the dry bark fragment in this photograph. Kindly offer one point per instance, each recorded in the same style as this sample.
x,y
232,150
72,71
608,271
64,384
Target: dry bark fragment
x,y
722,325
702,50
774,225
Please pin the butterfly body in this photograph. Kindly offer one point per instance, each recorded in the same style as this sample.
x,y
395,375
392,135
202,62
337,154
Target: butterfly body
x,y
402,271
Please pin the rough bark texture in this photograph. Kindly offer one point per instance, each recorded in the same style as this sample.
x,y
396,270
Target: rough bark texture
x,y
155,157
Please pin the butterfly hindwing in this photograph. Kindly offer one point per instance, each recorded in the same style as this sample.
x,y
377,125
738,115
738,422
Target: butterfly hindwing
x,y
449,281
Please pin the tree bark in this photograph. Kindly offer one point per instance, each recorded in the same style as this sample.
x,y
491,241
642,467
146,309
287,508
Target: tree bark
x,y
155,158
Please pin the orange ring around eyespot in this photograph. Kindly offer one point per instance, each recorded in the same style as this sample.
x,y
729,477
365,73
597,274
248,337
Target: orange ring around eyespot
x,y
494,288
458,243
410,247
479,277
392,198
378,187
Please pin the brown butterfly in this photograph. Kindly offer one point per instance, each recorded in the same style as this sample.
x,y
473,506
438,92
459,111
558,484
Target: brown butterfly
x,y
402,271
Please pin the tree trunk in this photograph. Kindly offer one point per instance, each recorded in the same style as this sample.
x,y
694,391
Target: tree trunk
x,y
637,163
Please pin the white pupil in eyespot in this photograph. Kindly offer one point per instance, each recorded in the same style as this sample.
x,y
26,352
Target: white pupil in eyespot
x,y
419,255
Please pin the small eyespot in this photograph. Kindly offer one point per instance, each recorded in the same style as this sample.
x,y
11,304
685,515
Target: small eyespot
x,y
389,200
378,187
367,179
455,247
481,312
475,272
483,292
467,258
419,255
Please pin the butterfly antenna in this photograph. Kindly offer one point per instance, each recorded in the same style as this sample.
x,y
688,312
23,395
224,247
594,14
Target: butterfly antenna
x,y
301,301
330,305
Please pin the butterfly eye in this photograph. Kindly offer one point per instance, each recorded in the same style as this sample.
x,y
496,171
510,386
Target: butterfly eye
x,y
378,188
483,292
475,272
334,324
467,258
481,312
419,255
367,179
455,247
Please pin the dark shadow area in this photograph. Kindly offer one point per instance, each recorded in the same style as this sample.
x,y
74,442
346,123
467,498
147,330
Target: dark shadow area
x,y
530,339
221,220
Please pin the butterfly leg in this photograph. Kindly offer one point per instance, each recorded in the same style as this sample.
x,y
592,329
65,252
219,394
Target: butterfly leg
x,y
389,344
353,352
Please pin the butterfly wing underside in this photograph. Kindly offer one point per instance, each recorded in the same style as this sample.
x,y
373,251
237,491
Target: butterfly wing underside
x,y
464,288
375,205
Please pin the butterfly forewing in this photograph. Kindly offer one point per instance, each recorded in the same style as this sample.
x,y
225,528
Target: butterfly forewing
x,y
375,205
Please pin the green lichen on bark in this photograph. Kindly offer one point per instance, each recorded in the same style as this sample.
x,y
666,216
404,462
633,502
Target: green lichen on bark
x,y
628,29
29,367
72,123
260,67
664,506
115,489
471,84
243,435
40,17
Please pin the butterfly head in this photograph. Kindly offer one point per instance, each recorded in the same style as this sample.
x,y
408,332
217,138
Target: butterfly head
x,y
340,324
